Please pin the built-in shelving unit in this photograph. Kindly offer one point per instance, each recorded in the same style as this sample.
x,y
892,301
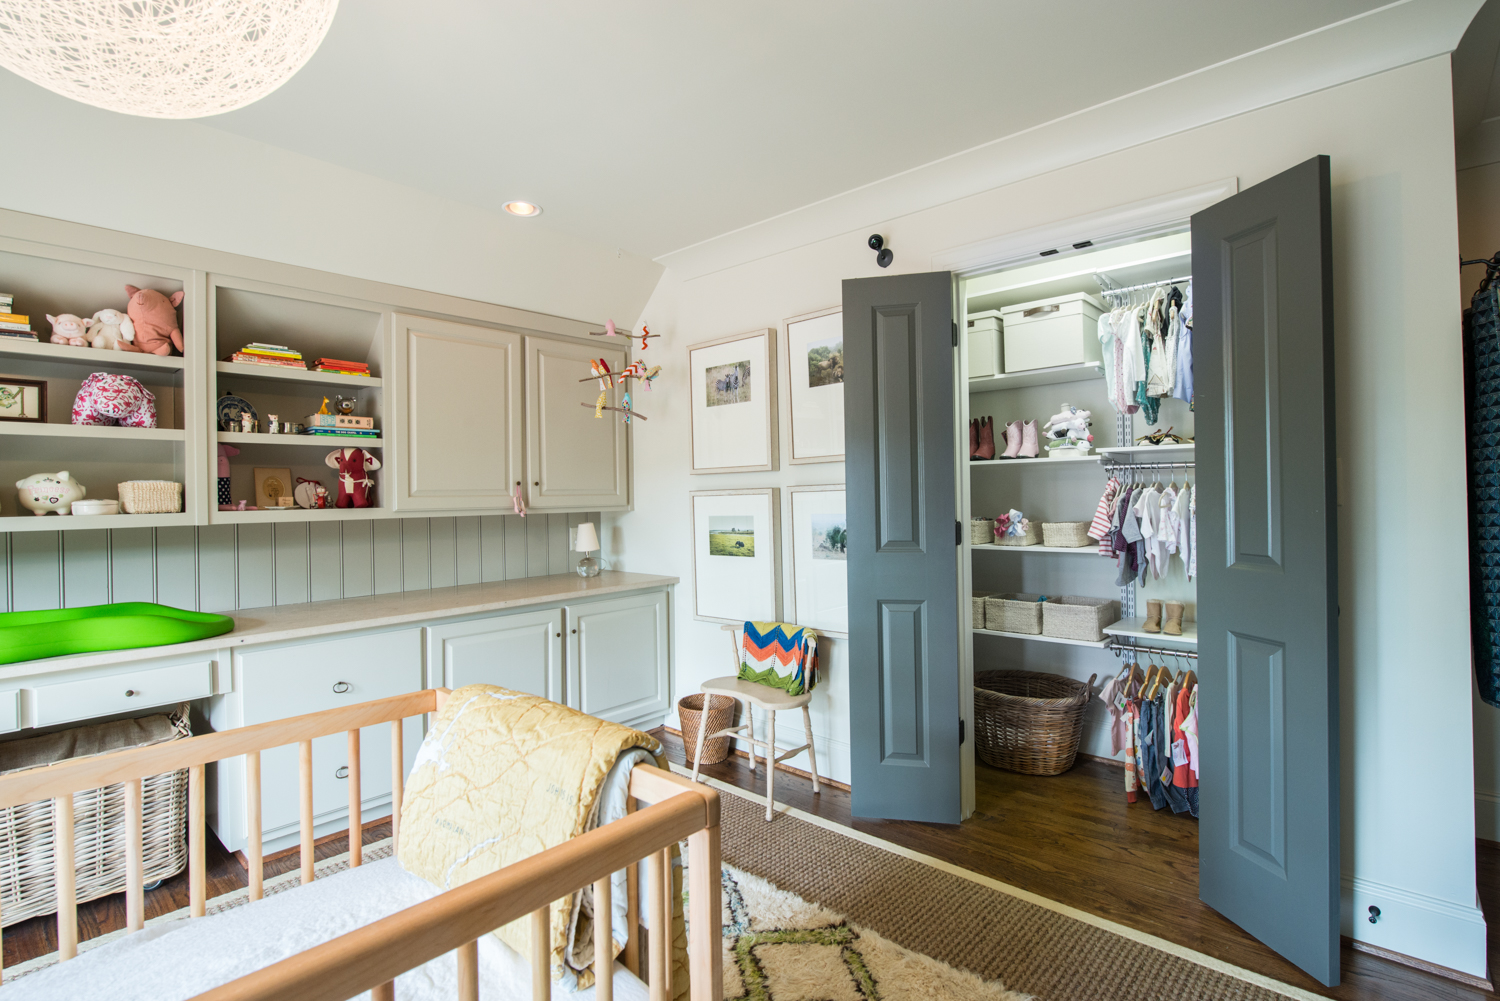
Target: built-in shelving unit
x,y
96,357
316,441
1132,629
280,374
1037,377
109,432
1150,453
1042,639
1080,550
979,463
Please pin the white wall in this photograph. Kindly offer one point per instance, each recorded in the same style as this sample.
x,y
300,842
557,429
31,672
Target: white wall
x,y
192,183
1407,806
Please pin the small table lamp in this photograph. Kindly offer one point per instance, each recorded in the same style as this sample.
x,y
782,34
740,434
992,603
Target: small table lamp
x,y
587,542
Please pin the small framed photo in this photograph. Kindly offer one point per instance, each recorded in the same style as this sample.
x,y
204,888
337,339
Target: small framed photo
x,y
815,368
271,485
23,400
820,577
733,389
737,555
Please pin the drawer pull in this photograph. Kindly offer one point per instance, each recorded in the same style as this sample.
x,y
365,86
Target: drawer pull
x,y
131,693
1033,311
342,772
340,687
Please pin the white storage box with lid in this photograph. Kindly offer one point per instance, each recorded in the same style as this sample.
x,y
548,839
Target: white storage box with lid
x,y
1050,332
984,344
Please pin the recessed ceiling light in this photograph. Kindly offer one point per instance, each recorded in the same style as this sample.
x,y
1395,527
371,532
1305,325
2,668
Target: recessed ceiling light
x,y
523,208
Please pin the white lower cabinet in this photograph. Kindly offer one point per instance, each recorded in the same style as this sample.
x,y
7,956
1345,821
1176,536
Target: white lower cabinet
x,y
617,657
522,651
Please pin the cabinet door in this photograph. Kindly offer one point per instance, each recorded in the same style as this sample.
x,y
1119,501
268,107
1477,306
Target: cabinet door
x,y
617,657
574,461
522,652
458,426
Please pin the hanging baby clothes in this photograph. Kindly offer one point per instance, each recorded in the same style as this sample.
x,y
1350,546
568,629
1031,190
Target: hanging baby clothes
x,y
1481,354
1180,519
1158,325
1147,318
1113,697
1128,539
1147,512
1190,732
1183,776
1107,353
1133,748
1166,525
1182,388
1151,756
1130,357
1099,530
1192,563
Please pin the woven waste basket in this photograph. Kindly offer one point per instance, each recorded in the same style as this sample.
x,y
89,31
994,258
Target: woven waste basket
x,y
1028,721
719,716
26,868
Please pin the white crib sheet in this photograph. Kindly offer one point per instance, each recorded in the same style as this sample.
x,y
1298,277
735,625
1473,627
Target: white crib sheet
x,y
177,960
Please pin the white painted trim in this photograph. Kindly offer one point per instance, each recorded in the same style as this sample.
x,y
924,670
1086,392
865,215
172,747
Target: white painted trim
x,y
1415,924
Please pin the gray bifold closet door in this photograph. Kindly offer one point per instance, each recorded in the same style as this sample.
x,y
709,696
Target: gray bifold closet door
x,y
903,549
1267,562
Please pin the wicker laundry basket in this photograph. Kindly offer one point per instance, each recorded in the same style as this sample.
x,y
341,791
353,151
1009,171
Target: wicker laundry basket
x,y
1066,534
1014,613
979,597
150,496
981,531
720,716
1070,617
1029,539
1027,721
27,888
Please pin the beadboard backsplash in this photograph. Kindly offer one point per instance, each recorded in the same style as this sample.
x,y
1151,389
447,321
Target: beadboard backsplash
x,y
219,568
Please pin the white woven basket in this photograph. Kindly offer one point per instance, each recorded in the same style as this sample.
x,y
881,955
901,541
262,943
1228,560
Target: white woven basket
x,y
979,597
1070,617
150,496
1014,613
981,531
1066,534
1029,539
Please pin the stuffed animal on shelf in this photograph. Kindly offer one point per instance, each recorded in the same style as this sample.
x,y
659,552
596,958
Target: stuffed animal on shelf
x,y
69,329
111,330
356,487
49,492
154,319
106,399
1068,431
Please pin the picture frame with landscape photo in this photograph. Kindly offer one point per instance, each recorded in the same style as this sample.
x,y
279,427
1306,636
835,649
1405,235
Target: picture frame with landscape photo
x,y
23,400
736,539
820,578
814,349
732,388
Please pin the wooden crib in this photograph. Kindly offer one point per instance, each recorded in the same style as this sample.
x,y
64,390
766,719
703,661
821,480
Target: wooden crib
x,y
372,957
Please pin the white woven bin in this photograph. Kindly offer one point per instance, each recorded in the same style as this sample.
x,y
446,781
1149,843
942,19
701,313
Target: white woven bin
x,y
1070,617
150,496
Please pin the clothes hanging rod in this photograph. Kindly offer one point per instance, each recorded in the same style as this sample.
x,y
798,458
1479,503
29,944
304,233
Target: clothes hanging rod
x,y
1158,651
1137,288
1108,465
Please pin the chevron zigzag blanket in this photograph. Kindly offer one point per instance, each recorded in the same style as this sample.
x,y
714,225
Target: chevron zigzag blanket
x,y
781,655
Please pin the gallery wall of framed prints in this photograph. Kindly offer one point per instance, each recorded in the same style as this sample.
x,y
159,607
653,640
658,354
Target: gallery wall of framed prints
x,y
732,382
820,582
814,349
737,555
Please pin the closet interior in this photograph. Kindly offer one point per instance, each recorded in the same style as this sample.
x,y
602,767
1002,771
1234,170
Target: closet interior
x,y
1081,516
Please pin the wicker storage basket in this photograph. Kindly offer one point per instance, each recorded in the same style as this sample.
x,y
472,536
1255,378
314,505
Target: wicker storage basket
x,y
720,716
1029,539
1029,722
1070,617
1014,613
979,597
981,531
26,874
150,496
1066,534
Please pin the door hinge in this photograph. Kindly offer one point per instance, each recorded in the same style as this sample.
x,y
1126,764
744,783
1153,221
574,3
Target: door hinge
x,y
958,533
955,333
960,730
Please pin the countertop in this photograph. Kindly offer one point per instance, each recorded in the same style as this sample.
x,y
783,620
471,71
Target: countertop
x,y
315,619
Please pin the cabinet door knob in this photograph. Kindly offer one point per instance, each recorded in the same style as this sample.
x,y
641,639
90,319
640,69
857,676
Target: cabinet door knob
x,y
575,632
559,635
342,772
340,687
130,693
536,483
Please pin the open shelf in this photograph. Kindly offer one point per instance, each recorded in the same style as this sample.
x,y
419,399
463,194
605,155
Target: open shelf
x,y
53,523
317,441
1042,639
977,463
29,430
1080,550
1147,453
1131,628
281,374
92,357
298,514
1037,377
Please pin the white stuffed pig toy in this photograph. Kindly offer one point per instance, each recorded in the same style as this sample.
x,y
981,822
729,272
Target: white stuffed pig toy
x,y
49,492
112,330
69,329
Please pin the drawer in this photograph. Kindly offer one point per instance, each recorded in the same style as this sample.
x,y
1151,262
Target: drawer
x,y
121,693
10,711
311,677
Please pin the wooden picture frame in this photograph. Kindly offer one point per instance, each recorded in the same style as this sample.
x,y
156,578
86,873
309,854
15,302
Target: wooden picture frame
x,y
731,586
270,484
23,400
816,407
732,393
819,579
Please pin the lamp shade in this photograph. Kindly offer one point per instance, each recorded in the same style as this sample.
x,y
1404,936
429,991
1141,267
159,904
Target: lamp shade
x,y
588,539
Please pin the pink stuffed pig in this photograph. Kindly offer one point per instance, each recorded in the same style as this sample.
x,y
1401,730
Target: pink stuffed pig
x,y
154,317
69,329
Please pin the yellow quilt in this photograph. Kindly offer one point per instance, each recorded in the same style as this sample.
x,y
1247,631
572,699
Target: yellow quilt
x,y
502,776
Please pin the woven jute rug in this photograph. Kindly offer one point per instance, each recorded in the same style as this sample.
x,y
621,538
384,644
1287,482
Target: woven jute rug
x,y
970,922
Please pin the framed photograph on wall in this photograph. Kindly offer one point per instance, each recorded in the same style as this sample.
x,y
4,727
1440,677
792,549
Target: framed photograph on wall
x,y
815,366
737,555
820,579
732,384
23,400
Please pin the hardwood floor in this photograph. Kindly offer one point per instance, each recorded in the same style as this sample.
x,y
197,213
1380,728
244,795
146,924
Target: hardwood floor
x,y
1075,840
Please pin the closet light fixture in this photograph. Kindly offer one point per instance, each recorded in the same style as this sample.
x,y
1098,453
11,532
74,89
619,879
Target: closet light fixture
x,y
523,208
162,58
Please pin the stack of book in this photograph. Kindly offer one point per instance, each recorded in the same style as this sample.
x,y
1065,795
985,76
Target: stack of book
x,y
14,325
343,432
278,355
341,367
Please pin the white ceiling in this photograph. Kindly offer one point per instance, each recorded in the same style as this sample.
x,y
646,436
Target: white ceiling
x,y
654,128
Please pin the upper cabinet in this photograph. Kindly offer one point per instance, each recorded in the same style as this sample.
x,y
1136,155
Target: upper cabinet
x,y
458,425
574,461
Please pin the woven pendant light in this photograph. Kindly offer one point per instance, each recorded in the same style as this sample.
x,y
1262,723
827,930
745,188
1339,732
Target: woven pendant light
x,y
162,58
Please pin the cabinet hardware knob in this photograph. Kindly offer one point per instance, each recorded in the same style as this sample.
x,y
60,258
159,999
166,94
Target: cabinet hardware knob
x,y
342,773
130,693
575,632
340,687
559,635
536,483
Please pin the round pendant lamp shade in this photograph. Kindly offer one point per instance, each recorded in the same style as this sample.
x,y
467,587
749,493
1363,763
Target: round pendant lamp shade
x,y
162,58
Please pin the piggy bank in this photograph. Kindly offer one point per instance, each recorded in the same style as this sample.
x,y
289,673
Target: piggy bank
x,y
49,492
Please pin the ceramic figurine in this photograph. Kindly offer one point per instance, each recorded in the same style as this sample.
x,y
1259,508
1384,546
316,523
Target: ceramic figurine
x,y
345,405
247,423
322,495
275,425
106,399
49,492
356,488
324,408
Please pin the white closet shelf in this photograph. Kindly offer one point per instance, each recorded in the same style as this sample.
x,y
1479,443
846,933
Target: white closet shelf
x,y
12,348
26,429
977,463
273,373
1081,550
1042,639
1144,453
52,523
1131,628
318,441
1037,377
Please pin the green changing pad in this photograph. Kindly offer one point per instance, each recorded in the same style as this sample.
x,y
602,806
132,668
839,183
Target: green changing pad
x,y
121,626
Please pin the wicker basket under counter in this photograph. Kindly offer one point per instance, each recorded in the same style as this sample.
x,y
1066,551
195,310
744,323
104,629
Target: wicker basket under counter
x,y
1072,617
1028,721
1066,534
1009,612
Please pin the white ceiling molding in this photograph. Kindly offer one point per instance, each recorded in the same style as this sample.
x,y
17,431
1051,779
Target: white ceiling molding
x,y
1388,37
1136,221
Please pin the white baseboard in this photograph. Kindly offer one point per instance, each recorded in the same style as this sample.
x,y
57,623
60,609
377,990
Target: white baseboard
x,y
1415,924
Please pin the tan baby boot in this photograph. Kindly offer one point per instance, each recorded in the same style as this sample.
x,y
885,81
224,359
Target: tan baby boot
x,y
1153,617
1173,625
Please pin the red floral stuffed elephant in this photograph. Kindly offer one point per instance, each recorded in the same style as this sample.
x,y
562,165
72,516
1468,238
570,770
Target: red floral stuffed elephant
x,y
356,487
106,398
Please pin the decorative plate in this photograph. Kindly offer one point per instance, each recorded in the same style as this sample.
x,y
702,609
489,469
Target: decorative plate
x,y
230,409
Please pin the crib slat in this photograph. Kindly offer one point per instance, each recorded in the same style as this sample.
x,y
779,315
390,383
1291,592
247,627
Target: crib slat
x,y
660,930
135,870
705,956
604,942
667,940
65,877
197,867
304,792
632,908
541,954
398,767
384,992
255,853
468,971
356,815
